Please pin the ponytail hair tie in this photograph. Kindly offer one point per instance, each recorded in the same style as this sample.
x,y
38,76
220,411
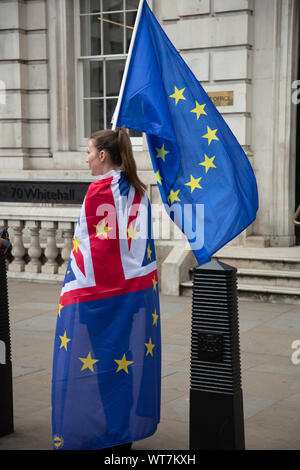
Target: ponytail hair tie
x,y
120,130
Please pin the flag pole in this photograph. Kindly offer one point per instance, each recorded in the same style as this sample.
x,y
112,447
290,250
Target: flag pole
x,y
117,110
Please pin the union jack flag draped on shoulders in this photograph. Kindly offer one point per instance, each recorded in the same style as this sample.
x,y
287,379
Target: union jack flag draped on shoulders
x,y
107,349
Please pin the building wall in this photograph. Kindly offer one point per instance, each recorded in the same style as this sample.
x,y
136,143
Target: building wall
x,y
25,115
275,60
248,47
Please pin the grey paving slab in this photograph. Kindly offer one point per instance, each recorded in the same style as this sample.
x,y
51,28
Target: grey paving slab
x,y
287,368
170,309
294,398
172,369
266,385
38,323
20,371
37,306
172,352
267,340
172,434
180,407
276,427
253,405
287,321
246,306
246,325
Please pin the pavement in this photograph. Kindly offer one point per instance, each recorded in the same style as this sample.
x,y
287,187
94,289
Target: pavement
x,y
270,379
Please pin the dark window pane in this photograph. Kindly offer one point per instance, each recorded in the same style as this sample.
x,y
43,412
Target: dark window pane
x,y
112,5
92,79
110,108
90,35
93,116
130,19
89,6
114,74
113,33
132,4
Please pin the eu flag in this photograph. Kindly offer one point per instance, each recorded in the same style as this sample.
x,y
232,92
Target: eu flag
x,y
205,179
107,356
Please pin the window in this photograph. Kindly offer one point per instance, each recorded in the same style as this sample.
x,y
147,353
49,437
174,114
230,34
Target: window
x,y
105,29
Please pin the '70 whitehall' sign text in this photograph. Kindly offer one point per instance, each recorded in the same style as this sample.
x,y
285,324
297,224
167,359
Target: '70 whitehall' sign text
x,y
55,192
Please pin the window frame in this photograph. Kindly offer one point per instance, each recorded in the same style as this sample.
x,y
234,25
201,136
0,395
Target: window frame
x,y
137,142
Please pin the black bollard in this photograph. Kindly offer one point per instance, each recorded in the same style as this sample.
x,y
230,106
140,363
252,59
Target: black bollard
x,y
6,393
216,399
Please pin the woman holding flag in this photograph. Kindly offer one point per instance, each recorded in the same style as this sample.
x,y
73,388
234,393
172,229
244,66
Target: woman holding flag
x,y
106,374
107,359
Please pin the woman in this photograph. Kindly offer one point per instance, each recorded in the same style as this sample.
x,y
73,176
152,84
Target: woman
x,y
107,359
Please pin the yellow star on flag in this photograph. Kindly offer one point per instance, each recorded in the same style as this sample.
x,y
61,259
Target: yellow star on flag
x,y
155,317
59,309
102,229
208,163
58,441
161,153
149,251
199,110
211,135
173,196
76,244
194,183
178,94
131,232
123,364
88,362
149,347
155,282
64,341
158,177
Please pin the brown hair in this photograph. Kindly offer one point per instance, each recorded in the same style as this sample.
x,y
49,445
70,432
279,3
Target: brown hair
x,y
117,144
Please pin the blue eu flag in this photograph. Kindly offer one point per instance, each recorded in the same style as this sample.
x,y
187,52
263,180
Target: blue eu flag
x,y
205,179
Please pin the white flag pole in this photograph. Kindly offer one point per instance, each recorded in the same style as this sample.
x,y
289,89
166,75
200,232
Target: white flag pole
x,y
117,110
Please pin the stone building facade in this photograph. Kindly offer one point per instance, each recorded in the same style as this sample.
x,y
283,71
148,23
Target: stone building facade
x,y
61,64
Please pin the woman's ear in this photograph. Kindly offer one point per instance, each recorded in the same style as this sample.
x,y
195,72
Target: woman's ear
x,y
102,156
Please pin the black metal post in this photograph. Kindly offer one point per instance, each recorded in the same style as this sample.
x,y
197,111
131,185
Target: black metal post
x,y
216,399
6,392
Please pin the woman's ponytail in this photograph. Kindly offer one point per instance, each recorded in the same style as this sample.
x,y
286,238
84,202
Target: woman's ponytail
x,y
128,162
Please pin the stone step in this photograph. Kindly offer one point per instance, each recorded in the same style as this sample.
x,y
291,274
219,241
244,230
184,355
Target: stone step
x,y
263,273
269,277
265,264
269,289
290,295
278,259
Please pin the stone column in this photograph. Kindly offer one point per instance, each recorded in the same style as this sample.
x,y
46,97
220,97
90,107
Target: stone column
x,y
275,56
18,249
284,121
68,230
35,251
51,250
61,49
